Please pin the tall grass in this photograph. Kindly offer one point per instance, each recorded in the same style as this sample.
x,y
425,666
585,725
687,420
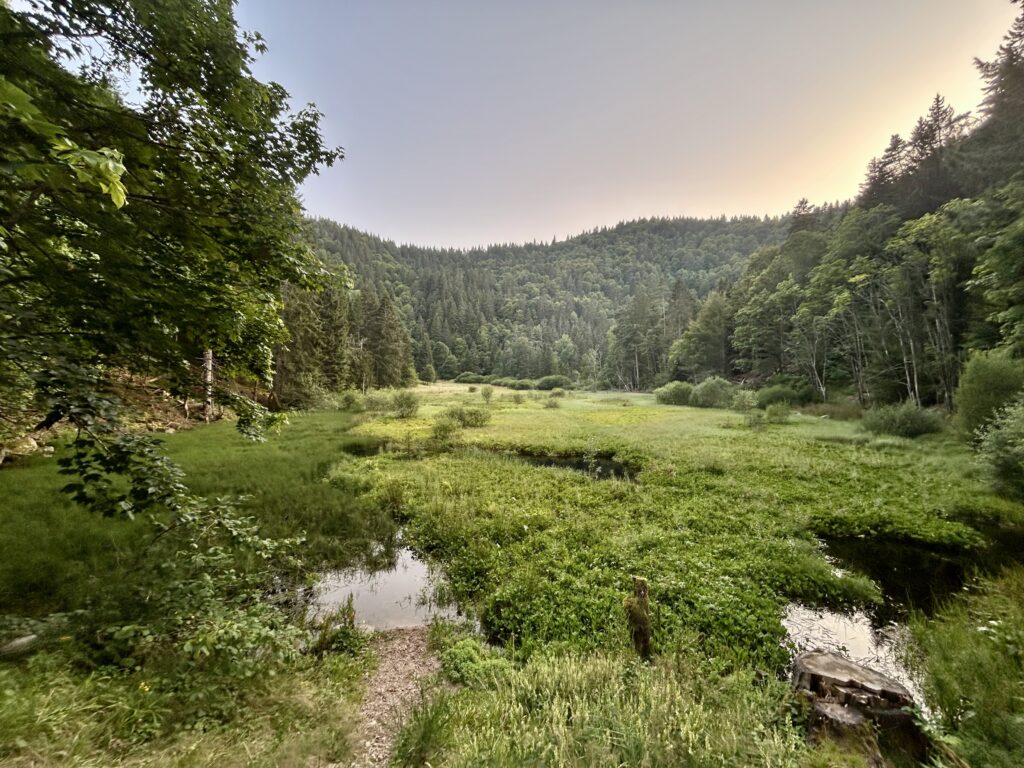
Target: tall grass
x,y
609,710
51,714
974,664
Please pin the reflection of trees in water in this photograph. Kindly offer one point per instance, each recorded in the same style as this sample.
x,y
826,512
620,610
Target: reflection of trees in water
x,y
381,550
921,577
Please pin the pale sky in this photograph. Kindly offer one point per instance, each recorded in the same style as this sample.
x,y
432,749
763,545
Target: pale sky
x,y
468,122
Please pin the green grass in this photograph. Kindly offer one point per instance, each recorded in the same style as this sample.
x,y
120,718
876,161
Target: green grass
x,y
722,519
51,713
974,660
606,709
57,555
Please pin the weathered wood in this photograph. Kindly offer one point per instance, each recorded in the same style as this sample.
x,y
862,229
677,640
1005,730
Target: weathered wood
x,y
856,707
832,676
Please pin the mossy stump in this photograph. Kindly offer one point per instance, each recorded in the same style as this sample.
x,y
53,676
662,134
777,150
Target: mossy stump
x,y
638,617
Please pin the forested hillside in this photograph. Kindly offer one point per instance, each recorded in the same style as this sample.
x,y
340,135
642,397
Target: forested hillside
x,y
539,309
882,298
523,311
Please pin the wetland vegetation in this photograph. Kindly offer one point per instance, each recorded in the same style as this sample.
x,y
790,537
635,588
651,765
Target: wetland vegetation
x,y
246,454
731,525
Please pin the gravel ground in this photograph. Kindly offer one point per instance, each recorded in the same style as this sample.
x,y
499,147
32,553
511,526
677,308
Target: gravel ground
x,y
391,690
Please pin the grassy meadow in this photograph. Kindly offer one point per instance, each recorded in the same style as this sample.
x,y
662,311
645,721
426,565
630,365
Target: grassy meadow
x,y
724,515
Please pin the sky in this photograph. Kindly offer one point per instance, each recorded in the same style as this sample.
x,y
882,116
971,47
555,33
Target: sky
x,y
466,122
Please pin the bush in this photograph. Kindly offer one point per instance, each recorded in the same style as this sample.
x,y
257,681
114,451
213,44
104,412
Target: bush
x,y
518,399
467,417
404,404
468,377
674,393
755,420
445,430
338,632
523,384
469,662
1002,449
778,393
349,400
558,392
989,381
744,400
375,402
715,392
905,420
777,413
487,393
551,382
549,403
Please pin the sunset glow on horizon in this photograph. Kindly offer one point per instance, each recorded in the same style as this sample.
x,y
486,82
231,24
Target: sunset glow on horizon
x,y
470,123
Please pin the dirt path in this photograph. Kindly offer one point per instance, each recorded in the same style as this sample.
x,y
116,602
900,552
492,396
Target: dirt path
x,y
392,689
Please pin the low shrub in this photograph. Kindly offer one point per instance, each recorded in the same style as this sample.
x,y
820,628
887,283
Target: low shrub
x,y
777,413
404,404
523,384
389,495
349,400
1002,450
471,389
778,393
552,382
469,662
487,393
557,392
904,420
338,632
549,403
744,400
376,402
990,380
755,420
674,393
445,430
468,377
518,399
467,417
714,392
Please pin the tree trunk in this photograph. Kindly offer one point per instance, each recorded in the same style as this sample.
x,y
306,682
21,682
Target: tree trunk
x,y
207,385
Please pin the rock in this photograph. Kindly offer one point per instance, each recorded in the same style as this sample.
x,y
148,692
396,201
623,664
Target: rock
x,y
18,647
170,431
21,446
48,450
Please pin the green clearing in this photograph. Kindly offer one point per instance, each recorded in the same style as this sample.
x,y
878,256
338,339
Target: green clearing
x,y
723,518
284,479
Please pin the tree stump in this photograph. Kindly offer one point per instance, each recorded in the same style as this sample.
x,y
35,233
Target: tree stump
x,y
638,616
